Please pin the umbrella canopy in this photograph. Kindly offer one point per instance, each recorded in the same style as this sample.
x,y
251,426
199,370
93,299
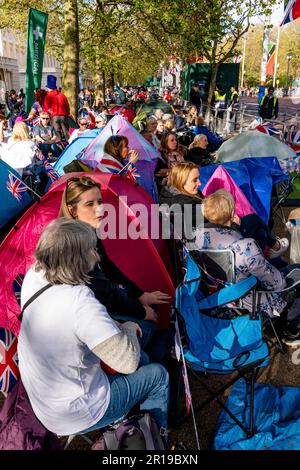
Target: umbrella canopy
x,y
255,177
221,179
144,260
151,106
250,144
74,149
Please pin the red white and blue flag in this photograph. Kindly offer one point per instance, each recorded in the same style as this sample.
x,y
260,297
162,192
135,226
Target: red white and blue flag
x,y
130,171
52,174
292,12
109,164
9,369
17,285
269,130
15,186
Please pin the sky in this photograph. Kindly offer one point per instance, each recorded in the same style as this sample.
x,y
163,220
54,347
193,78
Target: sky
x,y
276,17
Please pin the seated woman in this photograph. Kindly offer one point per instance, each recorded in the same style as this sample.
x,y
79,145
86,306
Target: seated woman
x,y
82,200
220,233
64,333
182,192
192,115
19,151
83,123
214,140
172,152
198,152
116,153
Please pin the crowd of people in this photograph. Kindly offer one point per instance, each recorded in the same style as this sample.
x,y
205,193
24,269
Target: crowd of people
x,y
108,355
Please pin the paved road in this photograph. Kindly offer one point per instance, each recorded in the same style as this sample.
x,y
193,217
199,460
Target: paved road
x,y
287,105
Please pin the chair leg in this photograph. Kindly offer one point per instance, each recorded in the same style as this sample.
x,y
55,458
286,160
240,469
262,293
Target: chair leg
x,y
280,344
248,431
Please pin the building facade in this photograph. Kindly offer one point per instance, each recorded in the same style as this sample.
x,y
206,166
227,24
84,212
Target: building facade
x,y
13,64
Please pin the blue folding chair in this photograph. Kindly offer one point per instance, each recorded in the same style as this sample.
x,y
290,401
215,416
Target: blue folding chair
x,y
221,338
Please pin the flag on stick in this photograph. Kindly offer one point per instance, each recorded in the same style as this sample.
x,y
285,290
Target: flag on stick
x,y
36,36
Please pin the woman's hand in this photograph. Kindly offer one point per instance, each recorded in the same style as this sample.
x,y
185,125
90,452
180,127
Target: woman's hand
x,y
133,156
134,326
154,298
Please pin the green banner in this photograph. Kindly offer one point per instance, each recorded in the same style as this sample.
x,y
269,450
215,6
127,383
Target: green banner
x,y
37,27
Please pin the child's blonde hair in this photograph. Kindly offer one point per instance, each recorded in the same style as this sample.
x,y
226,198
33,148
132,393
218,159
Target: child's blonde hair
x,y
219,207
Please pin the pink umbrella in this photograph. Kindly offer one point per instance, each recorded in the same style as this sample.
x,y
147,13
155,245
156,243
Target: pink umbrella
x,y
221,179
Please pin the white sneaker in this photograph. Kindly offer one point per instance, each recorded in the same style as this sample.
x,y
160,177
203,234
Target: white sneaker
x,y
284,244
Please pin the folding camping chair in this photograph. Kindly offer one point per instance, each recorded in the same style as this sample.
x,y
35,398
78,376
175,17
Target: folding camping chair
x,y
221,339
219,265
280,193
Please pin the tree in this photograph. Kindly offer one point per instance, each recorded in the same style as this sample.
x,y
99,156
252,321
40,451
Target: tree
x,y
213,28
71,55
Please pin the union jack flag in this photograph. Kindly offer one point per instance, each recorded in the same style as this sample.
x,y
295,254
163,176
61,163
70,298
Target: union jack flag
x,y
39,155
133,174
17,284
15,186
292,12
269,130
9,370
53,175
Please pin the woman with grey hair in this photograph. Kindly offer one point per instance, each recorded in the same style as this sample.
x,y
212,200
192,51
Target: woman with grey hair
x,y
64,333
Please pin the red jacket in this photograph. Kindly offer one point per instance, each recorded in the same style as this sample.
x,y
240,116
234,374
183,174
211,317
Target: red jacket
x,y
56,104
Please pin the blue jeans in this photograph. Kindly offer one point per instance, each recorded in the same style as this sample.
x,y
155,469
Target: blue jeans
x,y
149,386
52,148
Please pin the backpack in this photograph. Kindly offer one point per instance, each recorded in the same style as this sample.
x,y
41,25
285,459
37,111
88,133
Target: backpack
x,y
139,432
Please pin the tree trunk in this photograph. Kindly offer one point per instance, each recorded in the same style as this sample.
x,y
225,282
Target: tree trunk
x,y
212,87
71,55
100,87
111,81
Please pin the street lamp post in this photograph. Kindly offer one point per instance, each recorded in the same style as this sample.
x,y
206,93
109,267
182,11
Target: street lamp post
x,y
288,58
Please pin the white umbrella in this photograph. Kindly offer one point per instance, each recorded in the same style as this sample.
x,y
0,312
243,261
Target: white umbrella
x,y
250,144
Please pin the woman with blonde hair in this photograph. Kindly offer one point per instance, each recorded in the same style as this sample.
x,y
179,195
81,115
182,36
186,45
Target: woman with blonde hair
x,y
65,332
198,152
20,150
82,200
183,194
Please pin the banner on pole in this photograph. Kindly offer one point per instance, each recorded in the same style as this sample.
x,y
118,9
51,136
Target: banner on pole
x,y
291,12
36,37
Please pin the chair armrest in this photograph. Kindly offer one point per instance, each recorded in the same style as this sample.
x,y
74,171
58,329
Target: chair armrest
x,y
228,294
